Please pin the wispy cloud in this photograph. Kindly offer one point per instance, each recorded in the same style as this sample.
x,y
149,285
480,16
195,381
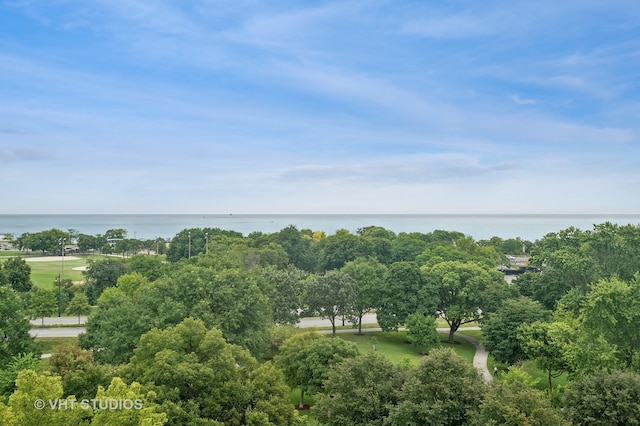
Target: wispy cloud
x,y
23,155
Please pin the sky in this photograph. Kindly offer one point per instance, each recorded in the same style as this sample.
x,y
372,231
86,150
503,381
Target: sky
x,y
247,106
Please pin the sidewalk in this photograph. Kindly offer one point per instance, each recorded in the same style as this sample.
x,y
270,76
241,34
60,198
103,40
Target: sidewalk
x,y
58,321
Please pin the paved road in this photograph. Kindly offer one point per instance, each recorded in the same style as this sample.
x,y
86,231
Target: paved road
x,y
59,321
57,332
479,359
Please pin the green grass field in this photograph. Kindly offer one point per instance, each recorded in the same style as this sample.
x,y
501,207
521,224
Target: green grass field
x,y
395,346
45,274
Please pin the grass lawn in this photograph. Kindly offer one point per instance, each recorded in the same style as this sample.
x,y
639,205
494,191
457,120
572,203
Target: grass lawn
x,y
394,346
47,344
44,274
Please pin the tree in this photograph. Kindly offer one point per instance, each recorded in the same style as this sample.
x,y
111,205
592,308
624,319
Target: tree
x,y
18,274
144,412
405,291
342,247
546,343
299,249
101,274
604,398
43,303
79,305
369,276
30,403
50,241
14,327
612,312
306,359
466,291
9,373
330,295
443,390
406,247
500,328
422,331
285,290
516,404
88,243
114,329
359,391
199,377
81,374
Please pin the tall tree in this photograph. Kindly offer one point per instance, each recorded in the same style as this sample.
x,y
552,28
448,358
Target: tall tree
x,y
466,291
30,403
405,292
14,327
500,328
342,247
604,398
422,331
307,358
546,343
43,303
201,378
516,404
612,312
330,295
285,290
359,391
79,305
443,390
18,274
369,276
101,274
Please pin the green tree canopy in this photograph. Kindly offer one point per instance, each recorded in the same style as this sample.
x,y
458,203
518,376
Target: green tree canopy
x,y
604,398
14,327
515,404
405,291
101,274
359,391
197,375
500,328
330,295
466,291
17,274
306,359
443,390
369,276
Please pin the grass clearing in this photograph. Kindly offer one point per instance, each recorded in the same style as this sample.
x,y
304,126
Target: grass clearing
x,y
395,346
44,274
47,344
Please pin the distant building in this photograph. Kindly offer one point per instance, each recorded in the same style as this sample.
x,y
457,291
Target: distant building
x,y
4,244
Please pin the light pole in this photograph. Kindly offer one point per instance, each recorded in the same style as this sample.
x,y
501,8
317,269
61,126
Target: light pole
x,y
61,258
58,296
206,244
189,244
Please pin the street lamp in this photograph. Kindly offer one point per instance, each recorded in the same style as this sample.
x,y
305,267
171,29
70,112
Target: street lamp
x,y
206,245
62,258
189,244
58,295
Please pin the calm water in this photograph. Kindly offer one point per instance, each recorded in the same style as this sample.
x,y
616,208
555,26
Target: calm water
x,y
142,226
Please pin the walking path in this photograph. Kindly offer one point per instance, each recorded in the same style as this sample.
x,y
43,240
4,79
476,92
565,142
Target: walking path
x,y
479,359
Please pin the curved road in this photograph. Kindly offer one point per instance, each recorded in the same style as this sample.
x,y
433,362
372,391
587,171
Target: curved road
x,y
479,359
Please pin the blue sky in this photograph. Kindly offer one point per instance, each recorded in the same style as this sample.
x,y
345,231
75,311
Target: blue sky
x,y
206,106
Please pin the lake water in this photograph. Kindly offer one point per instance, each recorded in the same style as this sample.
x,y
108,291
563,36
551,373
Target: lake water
x,y
150,226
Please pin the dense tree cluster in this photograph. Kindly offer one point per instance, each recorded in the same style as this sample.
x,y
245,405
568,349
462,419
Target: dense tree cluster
x,y
189,332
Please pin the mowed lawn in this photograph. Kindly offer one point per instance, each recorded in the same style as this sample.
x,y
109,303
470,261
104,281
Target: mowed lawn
x,y
45,273
395,346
